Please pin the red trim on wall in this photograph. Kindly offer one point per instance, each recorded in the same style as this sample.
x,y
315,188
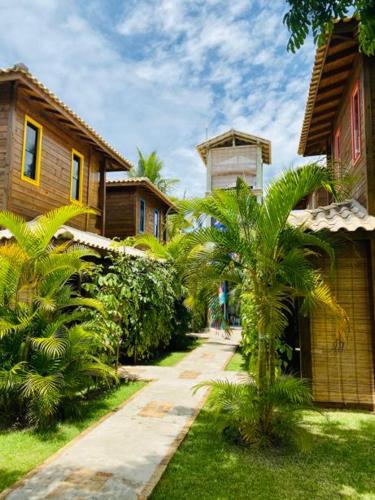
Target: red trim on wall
x,y
355,120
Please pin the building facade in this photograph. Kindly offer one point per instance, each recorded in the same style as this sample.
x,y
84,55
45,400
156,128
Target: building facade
x,y
340,124
49,157
136,206
235,154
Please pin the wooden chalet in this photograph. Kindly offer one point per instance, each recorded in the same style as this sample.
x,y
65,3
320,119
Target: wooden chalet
x,y
50,157
136,206
340,124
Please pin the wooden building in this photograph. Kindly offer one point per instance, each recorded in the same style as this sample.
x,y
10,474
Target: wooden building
x,y
340,123
50,157
135,206
235,154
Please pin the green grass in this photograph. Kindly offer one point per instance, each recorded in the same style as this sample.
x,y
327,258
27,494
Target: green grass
x,y
174,357
237,363
22,450
340,464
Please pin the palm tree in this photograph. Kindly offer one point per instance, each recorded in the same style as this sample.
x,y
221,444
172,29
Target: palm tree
x,y
48,346
150,166
255,248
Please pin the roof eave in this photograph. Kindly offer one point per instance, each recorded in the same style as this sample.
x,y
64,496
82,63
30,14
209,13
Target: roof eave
x,y
145,184
117,162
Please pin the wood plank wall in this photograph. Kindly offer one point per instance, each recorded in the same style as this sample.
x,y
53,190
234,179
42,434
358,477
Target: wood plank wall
x,y
345,377
152,202
343,121
122,211
4,118
54,189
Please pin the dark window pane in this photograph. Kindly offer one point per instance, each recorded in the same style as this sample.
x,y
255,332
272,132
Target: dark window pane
x,y
76,177
156,223
31,138
31,152
142,215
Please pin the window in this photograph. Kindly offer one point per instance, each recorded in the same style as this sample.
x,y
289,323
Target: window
x,y
337,146
31,153
156,223
356,123
142,216
76,182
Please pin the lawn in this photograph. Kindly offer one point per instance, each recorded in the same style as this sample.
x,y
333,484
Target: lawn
x,y
22,450
173,357
340,464
237,363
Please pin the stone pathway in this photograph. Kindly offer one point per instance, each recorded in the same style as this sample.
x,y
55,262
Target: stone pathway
x,y
125,455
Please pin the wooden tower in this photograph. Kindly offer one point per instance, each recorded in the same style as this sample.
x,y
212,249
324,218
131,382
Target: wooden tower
x,y
235,154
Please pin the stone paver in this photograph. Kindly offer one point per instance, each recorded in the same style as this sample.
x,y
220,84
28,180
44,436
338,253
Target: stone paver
x,y
124,456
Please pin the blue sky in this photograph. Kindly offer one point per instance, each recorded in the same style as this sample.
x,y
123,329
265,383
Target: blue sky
x,y
156,74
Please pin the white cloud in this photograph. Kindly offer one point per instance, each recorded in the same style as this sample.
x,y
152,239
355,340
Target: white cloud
x,y
156,74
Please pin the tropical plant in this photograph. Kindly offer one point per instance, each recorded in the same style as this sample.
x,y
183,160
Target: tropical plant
x,y
239,409
49,351
141,296
319,15
272,263
150,166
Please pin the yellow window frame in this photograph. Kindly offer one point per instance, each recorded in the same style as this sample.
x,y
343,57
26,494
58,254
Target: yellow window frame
x,y
82,159
38,126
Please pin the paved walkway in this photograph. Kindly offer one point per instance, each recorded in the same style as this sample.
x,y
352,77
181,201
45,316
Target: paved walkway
x,y
124,456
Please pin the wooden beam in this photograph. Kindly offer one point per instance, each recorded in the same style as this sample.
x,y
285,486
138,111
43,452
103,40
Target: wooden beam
x,y
338,63
9,145
324,113
325,105
342,54
330,91
322,134
314,121
336,72
321,127
103,194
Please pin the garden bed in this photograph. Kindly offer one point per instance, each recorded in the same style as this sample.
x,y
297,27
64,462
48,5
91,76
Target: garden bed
x,y
22,450
340,463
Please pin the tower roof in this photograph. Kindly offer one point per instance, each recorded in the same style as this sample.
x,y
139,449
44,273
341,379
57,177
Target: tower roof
x,y
241,138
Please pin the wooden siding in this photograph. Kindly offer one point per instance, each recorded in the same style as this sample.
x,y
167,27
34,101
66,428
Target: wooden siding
x,y
152,203
5,93
343,122
345,377
54,189
120,212
369,96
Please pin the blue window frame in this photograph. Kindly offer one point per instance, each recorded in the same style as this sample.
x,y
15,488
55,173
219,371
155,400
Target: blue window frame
x,y
142,216
156,223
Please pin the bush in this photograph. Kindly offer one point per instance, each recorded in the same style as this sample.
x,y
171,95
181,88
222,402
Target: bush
x,y
141,302
270,417
50,354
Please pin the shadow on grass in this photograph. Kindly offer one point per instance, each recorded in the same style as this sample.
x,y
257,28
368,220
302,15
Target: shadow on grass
x,y
340,464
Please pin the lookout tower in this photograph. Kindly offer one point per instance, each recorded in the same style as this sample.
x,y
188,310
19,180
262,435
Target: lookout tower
x,y
235,154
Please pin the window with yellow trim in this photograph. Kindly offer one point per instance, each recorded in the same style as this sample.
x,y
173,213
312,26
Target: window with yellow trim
x,y
32,149
76,187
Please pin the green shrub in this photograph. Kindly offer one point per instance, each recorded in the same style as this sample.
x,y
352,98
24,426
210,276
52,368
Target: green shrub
x,y
50,354
141,302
